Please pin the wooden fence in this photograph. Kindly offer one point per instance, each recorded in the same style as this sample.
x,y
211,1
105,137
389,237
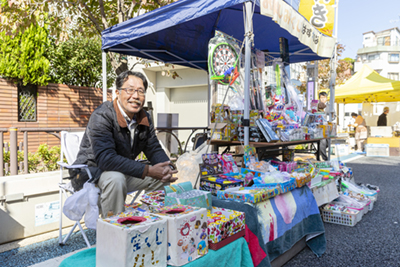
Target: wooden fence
x,y
58,106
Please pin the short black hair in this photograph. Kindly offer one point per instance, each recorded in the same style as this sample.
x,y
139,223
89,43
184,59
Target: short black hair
x,y
354,114
122,77
323,94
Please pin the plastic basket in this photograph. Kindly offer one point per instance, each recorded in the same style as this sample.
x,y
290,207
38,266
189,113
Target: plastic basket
x,y
371,205
377,150
339,217
366,207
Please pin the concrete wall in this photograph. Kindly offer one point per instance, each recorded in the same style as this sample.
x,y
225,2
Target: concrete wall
x,y
186,95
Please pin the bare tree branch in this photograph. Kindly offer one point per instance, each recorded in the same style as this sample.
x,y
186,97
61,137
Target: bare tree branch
x,y
114,61
131,8
123,9
92,18
103,14
119,11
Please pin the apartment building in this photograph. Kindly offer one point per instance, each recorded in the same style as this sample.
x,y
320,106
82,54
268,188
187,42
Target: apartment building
x,y
381,51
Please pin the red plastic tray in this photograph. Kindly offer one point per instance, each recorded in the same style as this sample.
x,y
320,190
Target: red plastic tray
x,y
226,241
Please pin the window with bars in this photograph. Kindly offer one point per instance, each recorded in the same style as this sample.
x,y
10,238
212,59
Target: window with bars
x,y
27,103
393,76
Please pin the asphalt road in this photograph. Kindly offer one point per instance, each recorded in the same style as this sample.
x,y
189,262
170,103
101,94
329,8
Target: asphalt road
x,y
375,240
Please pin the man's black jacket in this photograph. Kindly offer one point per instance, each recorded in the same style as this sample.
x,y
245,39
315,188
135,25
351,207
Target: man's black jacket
x,y
382,120
106,143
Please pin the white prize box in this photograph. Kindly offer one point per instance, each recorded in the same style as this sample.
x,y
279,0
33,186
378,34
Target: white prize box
x,y
187,233
124,240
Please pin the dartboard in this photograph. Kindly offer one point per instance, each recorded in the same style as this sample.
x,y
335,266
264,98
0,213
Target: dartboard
x,y
222,58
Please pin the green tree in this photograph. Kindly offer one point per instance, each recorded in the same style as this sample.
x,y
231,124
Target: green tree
x,y
75,18
343,71
77,61
22,56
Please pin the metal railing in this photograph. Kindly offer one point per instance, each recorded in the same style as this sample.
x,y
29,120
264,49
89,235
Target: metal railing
x,y
2,131
13,147
171,129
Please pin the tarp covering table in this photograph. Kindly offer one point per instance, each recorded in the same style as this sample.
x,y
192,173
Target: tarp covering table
x,y
275,225
235,254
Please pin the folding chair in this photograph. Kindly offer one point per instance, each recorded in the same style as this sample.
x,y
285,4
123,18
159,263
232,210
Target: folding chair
x,y
70,142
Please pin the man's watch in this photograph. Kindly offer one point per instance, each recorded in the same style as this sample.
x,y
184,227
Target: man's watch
x,y
172,166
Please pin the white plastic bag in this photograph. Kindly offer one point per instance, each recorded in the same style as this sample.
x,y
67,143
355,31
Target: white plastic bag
x,y
92,210
188,164
236,103
85,200
75,205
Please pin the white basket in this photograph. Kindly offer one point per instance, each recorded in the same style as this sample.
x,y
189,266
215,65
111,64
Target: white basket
x,y
366,208
371,205
372,199
339,217
377,150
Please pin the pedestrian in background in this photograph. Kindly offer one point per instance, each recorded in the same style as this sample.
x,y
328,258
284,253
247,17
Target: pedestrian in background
x,y
361,131
382,120
323,106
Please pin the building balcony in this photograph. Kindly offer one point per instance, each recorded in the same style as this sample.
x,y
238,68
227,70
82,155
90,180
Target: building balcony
x,y
374,64
377,49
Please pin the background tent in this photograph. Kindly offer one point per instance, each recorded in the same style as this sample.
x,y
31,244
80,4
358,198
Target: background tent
x,y
368,86
179,32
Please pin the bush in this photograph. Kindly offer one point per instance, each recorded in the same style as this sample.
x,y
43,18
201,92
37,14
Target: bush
x,y
43,160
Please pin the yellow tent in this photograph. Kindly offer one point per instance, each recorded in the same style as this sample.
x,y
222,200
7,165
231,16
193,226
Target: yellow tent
x,y
368,86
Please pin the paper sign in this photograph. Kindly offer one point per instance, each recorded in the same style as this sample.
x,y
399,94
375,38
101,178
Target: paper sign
x,y
46,213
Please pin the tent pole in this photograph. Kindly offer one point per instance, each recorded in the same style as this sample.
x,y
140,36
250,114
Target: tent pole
x,y
104,69
246,121
333,77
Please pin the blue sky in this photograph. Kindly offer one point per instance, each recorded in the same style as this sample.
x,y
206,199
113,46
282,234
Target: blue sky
x,y
359,16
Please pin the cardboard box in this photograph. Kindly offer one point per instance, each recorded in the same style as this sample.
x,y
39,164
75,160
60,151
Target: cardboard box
x,y
222,131
213,186
230,223
382,131
341,149
220,113
187,233
391,141
153,199
332,129
253,116
126,240
236,116
248,194
175,192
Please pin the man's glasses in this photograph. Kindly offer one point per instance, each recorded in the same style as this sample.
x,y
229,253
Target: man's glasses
x,y
131,91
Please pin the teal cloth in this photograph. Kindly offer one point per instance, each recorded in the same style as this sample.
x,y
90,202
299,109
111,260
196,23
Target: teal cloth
x,y
235,254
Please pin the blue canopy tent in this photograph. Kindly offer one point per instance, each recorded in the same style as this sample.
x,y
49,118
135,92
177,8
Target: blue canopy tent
x,y
179,33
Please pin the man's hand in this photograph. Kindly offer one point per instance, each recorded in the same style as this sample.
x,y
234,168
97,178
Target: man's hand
x,y
163,172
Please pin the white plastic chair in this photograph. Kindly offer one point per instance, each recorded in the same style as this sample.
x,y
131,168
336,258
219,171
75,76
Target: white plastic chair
x,y
70,142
